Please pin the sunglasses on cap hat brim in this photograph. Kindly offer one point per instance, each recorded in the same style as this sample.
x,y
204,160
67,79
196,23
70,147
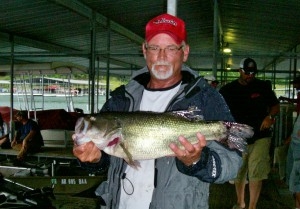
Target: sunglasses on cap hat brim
x,y
248,72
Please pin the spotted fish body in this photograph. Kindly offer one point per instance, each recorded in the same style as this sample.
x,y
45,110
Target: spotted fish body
x,y
147,135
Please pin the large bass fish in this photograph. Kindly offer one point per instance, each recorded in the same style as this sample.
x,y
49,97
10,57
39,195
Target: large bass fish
x,y
147,135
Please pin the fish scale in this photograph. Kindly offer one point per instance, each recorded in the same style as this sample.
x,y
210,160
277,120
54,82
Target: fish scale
x,y
163,136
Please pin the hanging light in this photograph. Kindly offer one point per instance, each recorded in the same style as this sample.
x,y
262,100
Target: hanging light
x,y
226,48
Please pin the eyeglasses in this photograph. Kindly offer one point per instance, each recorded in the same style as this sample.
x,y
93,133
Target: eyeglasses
x,y
169,50
248,73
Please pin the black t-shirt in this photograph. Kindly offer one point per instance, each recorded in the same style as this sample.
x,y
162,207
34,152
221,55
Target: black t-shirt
x,y
250,104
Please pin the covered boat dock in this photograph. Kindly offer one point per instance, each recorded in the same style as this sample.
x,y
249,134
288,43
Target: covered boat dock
x,y
101,38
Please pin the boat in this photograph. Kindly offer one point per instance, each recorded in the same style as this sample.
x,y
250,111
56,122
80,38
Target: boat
x,y
55,166
15,195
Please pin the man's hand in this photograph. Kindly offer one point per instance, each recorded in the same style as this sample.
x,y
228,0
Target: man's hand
x,y
267,123
13,143
25,144
87,152
191,152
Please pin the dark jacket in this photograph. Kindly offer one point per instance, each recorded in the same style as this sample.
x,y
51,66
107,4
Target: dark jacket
x,y
176,185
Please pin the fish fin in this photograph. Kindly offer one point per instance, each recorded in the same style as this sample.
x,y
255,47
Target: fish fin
x,y
129,159
237,135
134,164
192,114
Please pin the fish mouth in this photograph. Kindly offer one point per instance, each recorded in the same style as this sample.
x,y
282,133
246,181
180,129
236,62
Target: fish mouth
x,y
81,128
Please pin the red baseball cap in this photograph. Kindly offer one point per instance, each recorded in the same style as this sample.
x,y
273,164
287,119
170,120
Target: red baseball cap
x,y
168,24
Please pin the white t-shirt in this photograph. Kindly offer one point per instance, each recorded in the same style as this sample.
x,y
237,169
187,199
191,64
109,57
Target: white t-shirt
x,y
138,184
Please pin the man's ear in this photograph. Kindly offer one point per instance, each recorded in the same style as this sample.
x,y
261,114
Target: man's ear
x,y
186,52
144,49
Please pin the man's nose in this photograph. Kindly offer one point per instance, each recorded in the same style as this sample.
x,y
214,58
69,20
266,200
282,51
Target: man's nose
x,y
162,53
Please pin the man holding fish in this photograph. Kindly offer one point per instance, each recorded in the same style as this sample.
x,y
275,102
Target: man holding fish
x,y
180,179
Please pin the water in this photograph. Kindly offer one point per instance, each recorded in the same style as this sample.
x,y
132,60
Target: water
x,y
52,102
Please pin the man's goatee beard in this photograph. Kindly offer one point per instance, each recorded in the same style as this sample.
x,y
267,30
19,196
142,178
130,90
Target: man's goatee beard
x,y
162,75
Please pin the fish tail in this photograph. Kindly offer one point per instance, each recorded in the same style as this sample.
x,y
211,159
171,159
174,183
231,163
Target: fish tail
x,y
237,135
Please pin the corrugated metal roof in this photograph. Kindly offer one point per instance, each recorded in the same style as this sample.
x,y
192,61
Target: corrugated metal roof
x,y
60,31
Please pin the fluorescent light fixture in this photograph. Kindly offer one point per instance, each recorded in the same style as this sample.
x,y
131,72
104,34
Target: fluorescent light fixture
x,y
226,48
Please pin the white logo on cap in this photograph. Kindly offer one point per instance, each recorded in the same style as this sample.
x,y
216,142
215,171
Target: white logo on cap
x,y
251,64
164,20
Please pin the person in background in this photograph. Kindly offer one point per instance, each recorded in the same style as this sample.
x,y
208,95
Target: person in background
x,y
211,80
165,84
252,102
215,84
4,134
296,85
293,163
28,138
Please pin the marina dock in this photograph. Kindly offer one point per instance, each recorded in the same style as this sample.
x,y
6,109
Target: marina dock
x,y
274,195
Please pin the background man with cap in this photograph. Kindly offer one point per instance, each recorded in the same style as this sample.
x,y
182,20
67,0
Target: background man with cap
x,y
28,138
253,102
165,84
211,80
296,85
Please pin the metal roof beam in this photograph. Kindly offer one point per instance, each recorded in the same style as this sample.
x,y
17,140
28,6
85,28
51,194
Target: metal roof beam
x,y
86,11
19,40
